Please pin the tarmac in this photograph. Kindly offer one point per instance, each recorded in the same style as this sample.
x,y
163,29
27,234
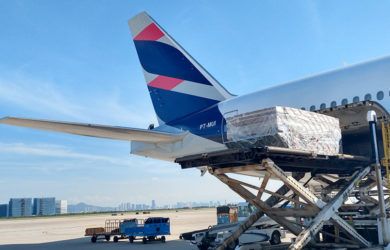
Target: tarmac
x,y
68,232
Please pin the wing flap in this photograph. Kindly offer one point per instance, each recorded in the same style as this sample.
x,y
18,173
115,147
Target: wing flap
x,y
100,131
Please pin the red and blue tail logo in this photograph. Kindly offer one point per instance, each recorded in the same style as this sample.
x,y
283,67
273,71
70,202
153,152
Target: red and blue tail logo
x,y
178,85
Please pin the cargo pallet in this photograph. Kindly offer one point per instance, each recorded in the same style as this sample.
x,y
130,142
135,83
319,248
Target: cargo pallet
x,y
318,186
111,229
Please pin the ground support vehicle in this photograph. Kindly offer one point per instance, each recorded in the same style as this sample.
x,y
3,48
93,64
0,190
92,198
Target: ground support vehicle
x,y
149,230
264,231
113,228
257,234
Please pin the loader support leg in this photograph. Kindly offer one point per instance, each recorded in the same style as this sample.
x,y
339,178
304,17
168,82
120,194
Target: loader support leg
x,y
328,212
271,201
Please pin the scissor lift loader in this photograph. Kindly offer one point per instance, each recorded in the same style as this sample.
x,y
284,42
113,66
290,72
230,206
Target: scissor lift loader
x,y
320,187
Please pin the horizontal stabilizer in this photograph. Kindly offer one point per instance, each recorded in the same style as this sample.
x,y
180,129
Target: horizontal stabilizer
x,y
101,131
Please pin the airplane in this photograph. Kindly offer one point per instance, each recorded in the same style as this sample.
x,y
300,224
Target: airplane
x,y
192,106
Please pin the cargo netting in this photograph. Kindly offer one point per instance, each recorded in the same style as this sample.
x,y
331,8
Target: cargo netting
x,y
284,127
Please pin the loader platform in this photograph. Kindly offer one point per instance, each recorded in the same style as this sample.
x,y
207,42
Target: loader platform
x,y
288,160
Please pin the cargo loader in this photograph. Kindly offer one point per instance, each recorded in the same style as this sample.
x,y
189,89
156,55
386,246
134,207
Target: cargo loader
x,y
328,199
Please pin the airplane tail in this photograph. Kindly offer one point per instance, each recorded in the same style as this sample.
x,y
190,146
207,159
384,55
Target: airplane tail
x,y
177,84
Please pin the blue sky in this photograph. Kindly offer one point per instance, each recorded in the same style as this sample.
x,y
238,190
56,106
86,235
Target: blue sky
x,y
75,61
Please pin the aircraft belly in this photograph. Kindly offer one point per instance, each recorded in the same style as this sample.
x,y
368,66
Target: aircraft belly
x,y
190,145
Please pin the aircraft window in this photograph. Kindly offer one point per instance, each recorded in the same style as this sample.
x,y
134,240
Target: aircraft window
x,y
322,106
303,108
380,95
344,101
367,97
355,99
333,104
312,107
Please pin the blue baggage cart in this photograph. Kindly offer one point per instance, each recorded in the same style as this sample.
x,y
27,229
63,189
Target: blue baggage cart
x,y
114,228
149,230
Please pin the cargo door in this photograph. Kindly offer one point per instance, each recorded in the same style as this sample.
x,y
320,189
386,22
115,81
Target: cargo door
x,y
224,129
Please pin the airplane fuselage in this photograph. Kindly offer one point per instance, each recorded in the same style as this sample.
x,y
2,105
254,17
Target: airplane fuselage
x,y
350,84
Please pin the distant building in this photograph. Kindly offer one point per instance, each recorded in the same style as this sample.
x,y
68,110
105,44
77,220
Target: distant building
x,y
20,207
4,210
61,206
44,206
153,204
128,206
124,206
180,204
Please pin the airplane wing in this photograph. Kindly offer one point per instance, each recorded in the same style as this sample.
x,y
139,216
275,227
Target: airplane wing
x,y
101,131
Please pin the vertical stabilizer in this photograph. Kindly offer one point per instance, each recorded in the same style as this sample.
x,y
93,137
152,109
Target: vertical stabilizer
x,y
177,84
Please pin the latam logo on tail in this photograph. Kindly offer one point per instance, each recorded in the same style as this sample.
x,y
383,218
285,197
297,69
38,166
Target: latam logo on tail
x,y
178,85
192,107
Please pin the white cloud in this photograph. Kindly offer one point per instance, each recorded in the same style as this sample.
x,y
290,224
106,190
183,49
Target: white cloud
x,y
44,98
52,150
155,179
63,160
315,18
37,96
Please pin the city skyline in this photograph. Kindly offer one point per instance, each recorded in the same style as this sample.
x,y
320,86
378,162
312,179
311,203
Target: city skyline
x,y
127,204
49,206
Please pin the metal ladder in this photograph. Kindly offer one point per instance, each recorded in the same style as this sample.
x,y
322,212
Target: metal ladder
x,y
386,149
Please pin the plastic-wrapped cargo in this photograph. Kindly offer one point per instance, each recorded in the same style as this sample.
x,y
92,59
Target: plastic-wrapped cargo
x,y
284,127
